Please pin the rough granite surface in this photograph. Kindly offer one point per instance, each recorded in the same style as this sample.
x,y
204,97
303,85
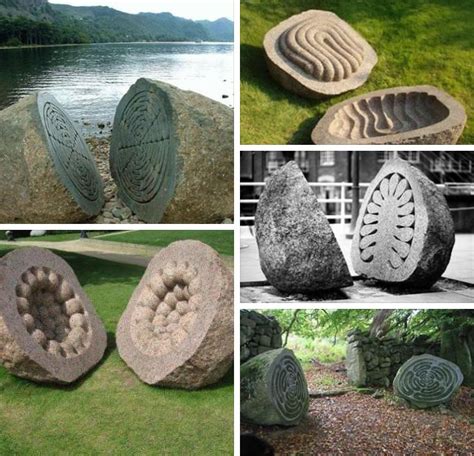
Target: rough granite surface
x,y
297,248
177,330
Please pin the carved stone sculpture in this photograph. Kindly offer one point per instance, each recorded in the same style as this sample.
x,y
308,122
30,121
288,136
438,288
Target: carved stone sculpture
x,y
426,381
177,330
401,115
405,232
297,248
273,389
316,54
49,330
47,174
171,154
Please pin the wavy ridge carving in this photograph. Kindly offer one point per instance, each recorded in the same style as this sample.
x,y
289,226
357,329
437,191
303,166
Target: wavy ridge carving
x,y
387,114
325,51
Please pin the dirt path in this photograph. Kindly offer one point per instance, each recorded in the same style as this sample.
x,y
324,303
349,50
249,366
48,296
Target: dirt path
x,y
358,424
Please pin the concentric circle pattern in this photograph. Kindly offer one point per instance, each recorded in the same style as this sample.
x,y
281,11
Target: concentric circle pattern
x,y
143,156
388,225
71,156
427,380
323,50
289,390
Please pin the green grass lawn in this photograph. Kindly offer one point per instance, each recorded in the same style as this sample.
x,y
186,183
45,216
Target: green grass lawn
x,y
220,240
417,42
110,411
59,237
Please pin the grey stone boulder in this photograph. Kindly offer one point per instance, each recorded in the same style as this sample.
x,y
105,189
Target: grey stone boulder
x,y
356,364
400,115
273,389
177,330
405,233
427,381
48,174
49,330
316,54
297,248
172,155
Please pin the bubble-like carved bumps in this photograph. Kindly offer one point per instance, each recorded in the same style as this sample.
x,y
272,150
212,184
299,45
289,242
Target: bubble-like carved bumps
x,y
405,232
315,54
273,389
388,226
427,381
52,313
166,309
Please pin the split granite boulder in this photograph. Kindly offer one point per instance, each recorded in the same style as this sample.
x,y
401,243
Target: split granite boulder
x,y
49,330
177,330
297,248
316,54
171,155
48,174
405,232
273,389
427,381
400,115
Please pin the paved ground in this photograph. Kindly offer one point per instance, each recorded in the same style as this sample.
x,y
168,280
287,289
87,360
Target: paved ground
x,y
120,252
461,268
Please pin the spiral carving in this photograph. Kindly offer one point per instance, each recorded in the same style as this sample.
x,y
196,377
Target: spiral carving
x,y
387,115
323,50
427,381
142,159
289,390
388,226
71,156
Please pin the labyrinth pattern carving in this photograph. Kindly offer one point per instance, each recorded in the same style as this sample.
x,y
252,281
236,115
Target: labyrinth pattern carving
x,y
325,51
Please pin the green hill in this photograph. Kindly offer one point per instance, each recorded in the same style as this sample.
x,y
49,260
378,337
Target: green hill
x,y
38,22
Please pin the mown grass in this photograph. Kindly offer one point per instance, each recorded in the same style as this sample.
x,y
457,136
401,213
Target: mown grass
x,y
60,237
109,411
220,240
417,42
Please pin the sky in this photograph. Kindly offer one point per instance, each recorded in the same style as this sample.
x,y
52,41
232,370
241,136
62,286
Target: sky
x,y
190,9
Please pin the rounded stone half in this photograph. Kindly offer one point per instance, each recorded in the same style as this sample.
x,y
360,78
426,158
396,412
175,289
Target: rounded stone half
x,y
177,330
316,54
400,115
49,330
48,174
273,389
404,233
297,248
171,154
427,381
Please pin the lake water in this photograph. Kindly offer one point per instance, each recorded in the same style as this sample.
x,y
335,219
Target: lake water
x,y
89,80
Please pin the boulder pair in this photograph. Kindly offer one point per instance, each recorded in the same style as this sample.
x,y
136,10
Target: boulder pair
x,y
315,54
177,330
171,156
404,233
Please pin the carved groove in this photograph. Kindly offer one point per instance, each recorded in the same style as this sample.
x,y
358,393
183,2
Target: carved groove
x,y
388,226
142,160
289,390
325,51
52,313
166,309
387,115
70,153
427,380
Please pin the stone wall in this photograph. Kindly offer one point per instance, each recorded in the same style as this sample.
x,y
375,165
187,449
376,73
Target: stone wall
x,y
375,362
258,334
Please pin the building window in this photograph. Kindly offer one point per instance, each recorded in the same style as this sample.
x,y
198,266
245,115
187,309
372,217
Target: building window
x,y
384,156
327,158
302,160
409,156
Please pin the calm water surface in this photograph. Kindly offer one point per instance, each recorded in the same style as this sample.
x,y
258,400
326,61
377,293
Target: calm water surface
x,y
90,80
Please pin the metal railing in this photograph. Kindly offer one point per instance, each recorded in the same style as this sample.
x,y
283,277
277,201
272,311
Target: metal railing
x,y
343,215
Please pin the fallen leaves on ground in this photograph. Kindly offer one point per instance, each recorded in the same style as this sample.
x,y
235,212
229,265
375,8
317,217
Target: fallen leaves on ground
x,y
359,424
